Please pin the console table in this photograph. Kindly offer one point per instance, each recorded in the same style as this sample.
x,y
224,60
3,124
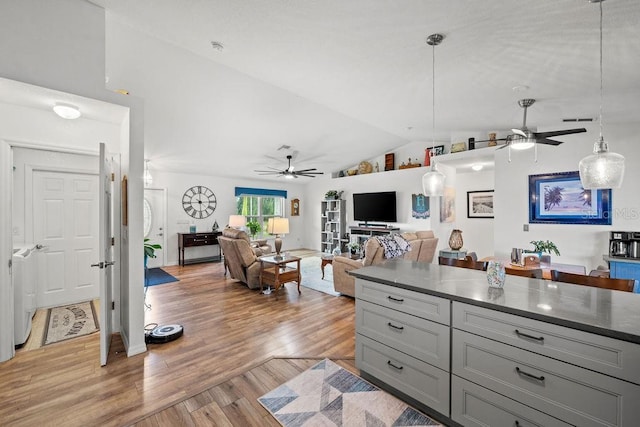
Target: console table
x,y
363,233
190,240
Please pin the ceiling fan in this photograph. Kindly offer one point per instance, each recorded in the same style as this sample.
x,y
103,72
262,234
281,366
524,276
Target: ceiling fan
x,y
290,171
523,138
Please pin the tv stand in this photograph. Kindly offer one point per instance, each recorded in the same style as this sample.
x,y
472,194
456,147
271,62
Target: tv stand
x,y
370,225
363,233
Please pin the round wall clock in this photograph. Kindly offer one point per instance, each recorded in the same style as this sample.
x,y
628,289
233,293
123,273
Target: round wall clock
x,y
199,202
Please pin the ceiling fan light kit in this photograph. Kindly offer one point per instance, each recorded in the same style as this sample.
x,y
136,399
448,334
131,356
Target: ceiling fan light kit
x,y
433,181
602,169
290,172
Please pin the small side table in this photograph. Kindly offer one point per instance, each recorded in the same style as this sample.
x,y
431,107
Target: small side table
x,y
450,253
328,259
275,272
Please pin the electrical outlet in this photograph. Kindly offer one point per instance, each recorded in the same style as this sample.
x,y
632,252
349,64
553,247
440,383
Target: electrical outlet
x,y
525,227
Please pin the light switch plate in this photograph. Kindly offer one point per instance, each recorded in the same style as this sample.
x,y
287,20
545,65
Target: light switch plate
x,y
525,227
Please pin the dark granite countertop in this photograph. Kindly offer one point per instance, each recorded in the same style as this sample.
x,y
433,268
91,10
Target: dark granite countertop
x,y
614,314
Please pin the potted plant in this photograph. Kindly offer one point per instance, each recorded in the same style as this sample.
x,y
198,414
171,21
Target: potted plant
x,y
149,251
254,227
545,246
354,247
333,194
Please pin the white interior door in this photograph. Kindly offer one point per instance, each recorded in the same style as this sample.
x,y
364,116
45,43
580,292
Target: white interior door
x,y
105,264
65,222
155,202
6,287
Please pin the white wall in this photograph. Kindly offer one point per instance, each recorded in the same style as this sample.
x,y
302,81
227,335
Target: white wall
x,y
477,233
578,244
178,220
61,45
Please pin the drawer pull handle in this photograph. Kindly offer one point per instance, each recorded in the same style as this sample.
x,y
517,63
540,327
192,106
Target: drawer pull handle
x,y
531,337
395,299
394,366
526,374
395,327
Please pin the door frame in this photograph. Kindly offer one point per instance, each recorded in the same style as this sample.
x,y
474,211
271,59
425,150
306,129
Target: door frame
x,y
165,205
6,235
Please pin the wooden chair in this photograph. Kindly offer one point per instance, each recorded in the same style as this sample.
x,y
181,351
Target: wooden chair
x,y
599,282
463,263
534,273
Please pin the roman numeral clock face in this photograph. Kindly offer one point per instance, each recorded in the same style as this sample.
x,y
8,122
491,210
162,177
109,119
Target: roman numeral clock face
x,y
199,202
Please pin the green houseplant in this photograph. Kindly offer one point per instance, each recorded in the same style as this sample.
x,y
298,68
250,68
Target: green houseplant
x,y
149,251
545,246
354,247
254,227
332,194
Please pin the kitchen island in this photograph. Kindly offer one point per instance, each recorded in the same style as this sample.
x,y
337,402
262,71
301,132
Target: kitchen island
x,y
535,352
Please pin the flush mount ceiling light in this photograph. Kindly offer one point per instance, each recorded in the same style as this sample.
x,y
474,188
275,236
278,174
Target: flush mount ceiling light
x,y
433,181
602,169
66,111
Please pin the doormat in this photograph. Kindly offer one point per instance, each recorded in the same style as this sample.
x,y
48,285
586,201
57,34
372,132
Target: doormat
x,y
157,276
328,395
70,321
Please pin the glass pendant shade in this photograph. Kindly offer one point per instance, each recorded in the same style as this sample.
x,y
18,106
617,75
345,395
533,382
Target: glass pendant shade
x,y
602,169
433,183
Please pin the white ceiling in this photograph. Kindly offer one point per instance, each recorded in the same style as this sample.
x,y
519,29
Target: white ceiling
x,y
344,81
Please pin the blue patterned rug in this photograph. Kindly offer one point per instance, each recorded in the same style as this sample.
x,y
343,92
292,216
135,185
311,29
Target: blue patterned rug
x,y
328,395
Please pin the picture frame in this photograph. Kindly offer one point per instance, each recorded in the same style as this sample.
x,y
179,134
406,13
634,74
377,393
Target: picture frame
x,y
437,150
480,204
389,162
558,198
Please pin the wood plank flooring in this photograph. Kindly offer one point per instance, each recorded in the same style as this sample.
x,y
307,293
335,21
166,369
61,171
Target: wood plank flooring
x,y
234,402
229,329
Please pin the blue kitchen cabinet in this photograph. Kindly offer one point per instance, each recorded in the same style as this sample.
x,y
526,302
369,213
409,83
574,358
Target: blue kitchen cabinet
x,y
625,270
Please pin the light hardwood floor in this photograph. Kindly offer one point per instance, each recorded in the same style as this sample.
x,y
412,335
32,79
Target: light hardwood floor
x,y
229,330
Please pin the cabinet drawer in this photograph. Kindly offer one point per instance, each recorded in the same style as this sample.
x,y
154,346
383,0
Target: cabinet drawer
x,y
415,303
420,338
602,354
570,393
472,405
423,382
200,240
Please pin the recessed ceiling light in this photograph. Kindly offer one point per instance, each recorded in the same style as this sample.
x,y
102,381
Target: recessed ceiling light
x,y
217,46
67,111
520,88
477,167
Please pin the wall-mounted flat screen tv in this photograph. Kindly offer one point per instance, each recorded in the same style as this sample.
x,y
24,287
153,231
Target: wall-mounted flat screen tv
x,y
375,207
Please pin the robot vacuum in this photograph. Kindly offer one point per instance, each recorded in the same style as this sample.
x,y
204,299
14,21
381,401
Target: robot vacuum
x,y
162,333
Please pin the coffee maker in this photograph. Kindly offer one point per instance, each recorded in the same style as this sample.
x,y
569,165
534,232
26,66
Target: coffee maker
x,y
624,244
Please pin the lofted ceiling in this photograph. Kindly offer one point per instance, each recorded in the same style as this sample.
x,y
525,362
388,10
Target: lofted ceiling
x,y
343,81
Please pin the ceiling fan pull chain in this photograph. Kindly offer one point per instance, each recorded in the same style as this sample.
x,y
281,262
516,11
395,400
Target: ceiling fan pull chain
x,y
535,152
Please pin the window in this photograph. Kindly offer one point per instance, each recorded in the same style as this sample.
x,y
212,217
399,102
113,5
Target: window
x,y
260,209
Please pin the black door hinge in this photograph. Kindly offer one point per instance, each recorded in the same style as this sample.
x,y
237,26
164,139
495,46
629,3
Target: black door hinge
x,y
113,305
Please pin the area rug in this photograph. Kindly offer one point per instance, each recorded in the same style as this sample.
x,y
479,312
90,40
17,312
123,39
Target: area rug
x,y
312,275
70,321
157,276
327,395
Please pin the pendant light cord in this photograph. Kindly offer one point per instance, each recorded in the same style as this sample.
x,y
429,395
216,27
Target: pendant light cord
x,y
601,97
433,93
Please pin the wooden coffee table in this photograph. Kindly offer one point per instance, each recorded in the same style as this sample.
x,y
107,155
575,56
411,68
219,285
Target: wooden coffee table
x,y
275,272
328,259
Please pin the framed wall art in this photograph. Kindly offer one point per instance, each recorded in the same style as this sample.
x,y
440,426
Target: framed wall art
x,y
480,204
420,206
558,198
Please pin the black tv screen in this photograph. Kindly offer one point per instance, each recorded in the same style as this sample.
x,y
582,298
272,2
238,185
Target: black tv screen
x,y
375,207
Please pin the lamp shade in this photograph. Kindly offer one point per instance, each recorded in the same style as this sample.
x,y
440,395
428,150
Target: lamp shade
x,y
278,225
433,183
602,169
237,221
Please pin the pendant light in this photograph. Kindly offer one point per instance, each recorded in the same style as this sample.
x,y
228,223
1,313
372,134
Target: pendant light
x,y
433,181
146,177
602,169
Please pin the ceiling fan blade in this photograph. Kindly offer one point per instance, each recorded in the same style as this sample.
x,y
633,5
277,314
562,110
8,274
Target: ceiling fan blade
x,y
519,132
548,141
558,132
305,170
489,140
502,146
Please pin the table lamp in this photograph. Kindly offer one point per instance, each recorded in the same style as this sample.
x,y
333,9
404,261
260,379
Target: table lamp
x,y
278,226
237,221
